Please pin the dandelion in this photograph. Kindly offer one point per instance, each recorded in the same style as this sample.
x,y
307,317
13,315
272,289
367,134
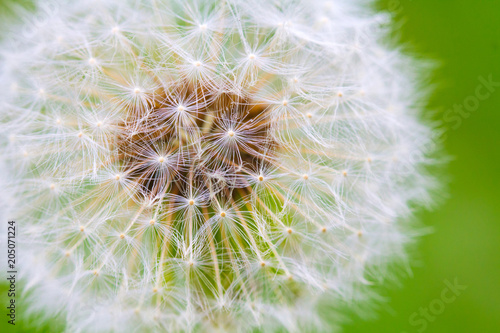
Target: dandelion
x,y
208,165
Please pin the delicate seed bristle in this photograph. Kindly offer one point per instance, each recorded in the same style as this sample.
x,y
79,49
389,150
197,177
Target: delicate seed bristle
x,y
200,106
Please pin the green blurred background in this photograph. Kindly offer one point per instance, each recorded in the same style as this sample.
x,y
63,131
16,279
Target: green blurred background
x,y
464,37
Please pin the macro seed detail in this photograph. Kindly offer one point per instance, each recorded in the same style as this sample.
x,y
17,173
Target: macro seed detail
x,y
208,165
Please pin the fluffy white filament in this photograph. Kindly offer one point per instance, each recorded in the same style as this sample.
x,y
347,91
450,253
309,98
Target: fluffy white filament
x,y
207,165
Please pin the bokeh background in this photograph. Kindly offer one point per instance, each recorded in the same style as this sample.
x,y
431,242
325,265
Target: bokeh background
x,y
463,37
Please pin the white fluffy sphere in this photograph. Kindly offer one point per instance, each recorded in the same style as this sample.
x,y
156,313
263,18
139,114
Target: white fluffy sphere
x,y
207,165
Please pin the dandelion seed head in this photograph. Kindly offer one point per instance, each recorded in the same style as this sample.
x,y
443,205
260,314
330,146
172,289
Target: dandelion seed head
x,y
226,164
